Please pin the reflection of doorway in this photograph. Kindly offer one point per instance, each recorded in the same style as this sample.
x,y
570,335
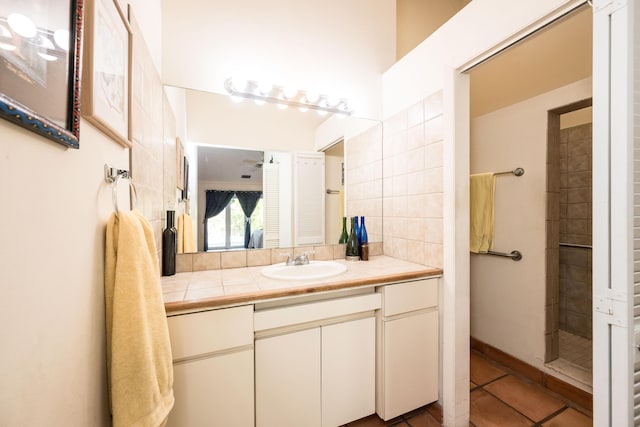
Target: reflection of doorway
x,y
334,198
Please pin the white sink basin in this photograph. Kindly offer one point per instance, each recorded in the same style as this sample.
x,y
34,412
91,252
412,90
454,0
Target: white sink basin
x,y
314,270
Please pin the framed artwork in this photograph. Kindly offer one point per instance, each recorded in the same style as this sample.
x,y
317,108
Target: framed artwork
x,y
40,60
179,164
185,190
106,97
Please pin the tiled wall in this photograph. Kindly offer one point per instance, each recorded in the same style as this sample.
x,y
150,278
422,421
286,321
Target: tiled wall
x,y
575,228
363,175
258,257
412,183
147,167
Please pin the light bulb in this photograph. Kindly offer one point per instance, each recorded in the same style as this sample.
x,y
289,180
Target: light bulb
x,y
282,106
289,92
265,88
239,84
312,97
259,101
236,99
61,37
303,109
322,112
22,25
332,101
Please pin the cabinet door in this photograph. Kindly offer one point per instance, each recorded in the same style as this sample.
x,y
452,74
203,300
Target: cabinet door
x,y
348,371
287,369
217,390
410,363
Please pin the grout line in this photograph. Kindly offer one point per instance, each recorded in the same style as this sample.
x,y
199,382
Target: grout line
x,y
509,406
550,416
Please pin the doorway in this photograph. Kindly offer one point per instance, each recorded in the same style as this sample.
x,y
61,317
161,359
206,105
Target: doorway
x,y
569,242
511,307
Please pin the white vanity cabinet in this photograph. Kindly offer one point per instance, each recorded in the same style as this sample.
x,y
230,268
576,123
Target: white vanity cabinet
x,y
213,368
315,362
407,347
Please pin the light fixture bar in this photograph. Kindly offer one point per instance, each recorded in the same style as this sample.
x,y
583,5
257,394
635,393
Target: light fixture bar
x,y
251,89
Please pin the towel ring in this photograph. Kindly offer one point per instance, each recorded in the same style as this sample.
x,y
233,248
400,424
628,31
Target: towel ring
x,y
114,193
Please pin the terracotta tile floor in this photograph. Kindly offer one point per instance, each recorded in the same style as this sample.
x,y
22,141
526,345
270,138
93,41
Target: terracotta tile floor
x,y
499,399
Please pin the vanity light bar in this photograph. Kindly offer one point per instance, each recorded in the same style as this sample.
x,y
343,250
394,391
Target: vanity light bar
x,y
251,89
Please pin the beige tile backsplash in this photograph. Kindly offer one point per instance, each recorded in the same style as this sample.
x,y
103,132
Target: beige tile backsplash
x,y
412,183
203,261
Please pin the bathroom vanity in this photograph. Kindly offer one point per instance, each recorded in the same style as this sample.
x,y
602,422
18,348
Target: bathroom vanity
x,y
308,353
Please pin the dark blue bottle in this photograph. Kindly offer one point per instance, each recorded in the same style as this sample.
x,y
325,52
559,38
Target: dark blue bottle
x,y
357,228
363,237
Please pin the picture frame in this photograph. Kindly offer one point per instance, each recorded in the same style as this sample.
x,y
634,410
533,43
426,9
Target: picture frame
x,y
106,98
179,164
40,65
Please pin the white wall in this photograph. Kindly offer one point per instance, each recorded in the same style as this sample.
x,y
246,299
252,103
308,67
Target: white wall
x,y
52,327
335,47
475,32
472,32
508,298
55,205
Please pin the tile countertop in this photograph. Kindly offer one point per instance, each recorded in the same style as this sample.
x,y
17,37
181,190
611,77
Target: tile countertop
x,y
216,288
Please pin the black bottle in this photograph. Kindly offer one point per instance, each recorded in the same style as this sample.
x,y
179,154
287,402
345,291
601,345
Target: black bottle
x,y
169,246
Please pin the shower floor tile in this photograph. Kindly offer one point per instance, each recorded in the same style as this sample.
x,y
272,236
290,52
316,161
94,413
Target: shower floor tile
x,y
576,349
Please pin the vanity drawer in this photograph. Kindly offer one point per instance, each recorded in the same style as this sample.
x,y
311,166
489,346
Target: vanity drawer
x,y
409,296
210,331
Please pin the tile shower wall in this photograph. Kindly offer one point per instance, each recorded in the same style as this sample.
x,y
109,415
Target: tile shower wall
x,y
364,155
412,183
147,134
575,228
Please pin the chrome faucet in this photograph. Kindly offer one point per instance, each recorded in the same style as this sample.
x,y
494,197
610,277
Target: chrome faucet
x,y
299,260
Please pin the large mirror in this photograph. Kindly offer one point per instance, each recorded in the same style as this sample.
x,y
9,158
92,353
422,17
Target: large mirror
x,y
295,174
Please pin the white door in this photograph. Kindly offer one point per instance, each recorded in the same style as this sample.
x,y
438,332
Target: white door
x,y
614,211
288,380
348,371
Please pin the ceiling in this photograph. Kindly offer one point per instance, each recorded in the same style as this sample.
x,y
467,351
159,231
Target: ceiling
x,y
218,164
551,58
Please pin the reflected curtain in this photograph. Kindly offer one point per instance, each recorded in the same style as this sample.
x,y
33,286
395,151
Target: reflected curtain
x,y
216,201
248,201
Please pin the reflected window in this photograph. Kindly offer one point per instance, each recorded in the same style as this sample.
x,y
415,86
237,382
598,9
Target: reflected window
x,y
227,229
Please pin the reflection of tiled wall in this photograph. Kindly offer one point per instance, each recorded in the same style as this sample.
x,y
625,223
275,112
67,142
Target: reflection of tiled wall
x,y
363,176
575,228
147,134
412,183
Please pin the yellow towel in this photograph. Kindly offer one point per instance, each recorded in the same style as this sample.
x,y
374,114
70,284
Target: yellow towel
x,y
482,190
180,234
139,363
185,234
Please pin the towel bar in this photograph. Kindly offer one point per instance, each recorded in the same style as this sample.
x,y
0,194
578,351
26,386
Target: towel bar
x,y
572,245
516,172
514,255
333,191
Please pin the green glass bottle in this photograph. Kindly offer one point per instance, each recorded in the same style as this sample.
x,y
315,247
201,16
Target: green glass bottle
x,y
352,243
344,236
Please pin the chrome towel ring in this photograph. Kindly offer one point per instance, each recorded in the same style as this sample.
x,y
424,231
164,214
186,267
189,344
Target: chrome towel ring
x,y
113,176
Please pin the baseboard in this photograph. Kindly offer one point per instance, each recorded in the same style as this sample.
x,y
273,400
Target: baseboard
x,y
571,392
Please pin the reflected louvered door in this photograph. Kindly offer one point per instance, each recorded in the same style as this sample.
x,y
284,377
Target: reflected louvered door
x,y
271,200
